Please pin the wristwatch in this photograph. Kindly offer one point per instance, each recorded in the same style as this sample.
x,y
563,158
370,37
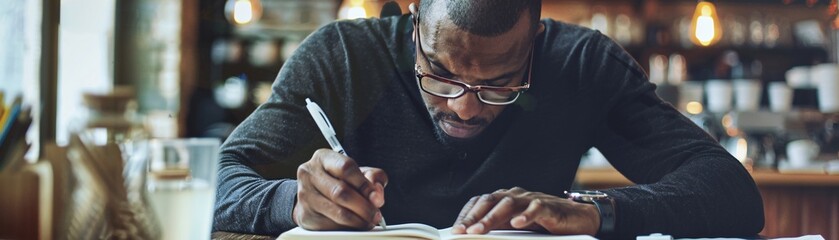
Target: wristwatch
x,y
605,205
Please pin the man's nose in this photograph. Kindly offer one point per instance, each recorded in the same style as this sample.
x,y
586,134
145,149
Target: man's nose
x,y
467,106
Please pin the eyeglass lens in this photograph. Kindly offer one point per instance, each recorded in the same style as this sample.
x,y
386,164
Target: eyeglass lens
x,y
449,90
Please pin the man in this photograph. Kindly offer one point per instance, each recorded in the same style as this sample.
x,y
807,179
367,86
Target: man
x,y
474,115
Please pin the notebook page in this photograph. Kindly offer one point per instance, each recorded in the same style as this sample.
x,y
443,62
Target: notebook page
x,y
399,231
445,234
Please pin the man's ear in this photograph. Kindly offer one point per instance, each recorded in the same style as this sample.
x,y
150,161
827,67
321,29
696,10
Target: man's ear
x,y
413,9
541,29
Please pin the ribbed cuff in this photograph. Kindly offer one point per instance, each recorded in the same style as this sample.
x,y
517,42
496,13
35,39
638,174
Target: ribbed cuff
x,y
627,220
281,210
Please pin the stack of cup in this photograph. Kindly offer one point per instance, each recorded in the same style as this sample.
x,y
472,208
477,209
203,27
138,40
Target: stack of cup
x,y
747,94
780,97
691,96
801,153
677,69
658,69
719,95
824,77
799,77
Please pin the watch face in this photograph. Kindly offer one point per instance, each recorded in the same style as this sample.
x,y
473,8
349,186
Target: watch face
x,y
586,196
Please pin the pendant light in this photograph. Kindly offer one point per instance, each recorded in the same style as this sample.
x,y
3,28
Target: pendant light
x,y
352,9
241,12
705,27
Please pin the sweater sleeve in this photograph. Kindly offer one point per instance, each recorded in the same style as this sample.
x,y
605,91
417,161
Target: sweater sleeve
x,y
258,162
344,67
688,185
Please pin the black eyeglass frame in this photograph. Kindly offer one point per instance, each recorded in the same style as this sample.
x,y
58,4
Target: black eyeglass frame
x,y
465,86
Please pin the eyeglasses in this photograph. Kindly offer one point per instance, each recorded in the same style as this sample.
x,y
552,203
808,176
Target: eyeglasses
x,y
450,88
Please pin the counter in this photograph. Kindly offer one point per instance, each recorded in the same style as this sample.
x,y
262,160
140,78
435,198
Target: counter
x,y
609,177
794,204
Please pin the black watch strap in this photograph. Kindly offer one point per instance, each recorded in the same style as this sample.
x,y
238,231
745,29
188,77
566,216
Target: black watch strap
x,y
606,207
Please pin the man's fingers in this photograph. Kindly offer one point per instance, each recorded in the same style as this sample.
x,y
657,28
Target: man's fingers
x,y
527,217
343,217
317,222
458,227
499,217
517,190
375,175
379,180
311,203
485,203
347,170
333,194
537,215
344,195
377,196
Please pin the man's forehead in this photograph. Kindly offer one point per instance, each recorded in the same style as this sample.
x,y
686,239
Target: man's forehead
x,y
440,35
431,20
467,53
435,20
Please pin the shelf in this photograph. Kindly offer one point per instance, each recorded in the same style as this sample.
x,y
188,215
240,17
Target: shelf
x,y
276,31
701,61
609,177
719,48
819,3
774,178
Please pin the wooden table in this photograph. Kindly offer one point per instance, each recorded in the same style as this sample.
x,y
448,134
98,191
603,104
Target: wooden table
x,y
239,236
794,204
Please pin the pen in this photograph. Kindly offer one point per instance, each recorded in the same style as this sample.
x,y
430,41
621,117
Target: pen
x,y
328,131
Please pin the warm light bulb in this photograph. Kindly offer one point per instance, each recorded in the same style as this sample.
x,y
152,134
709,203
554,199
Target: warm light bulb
x,y
693,107
243,11
705,28
741,150
352,9
356,12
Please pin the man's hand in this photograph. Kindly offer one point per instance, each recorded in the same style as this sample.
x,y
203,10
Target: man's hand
x,y
519,209
334,193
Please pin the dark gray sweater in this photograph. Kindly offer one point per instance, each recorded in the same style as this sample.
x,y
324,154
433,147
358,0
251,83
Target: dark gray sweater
x,y
586,92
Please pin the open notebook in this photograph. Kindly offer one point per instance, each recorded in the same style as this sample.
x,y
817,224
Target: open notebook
x,y
418,231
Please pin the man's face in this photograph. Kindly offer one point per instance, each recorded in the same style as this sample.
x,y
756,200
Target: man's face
x,y
476,60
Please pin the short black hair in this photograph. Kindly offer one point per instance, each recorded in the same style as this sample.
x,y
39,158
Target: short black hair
x,y
488,17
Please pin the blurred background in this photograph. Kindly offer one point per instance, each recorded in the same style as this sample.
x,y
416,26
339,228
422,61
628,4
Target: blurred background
x,y
198,68
758,75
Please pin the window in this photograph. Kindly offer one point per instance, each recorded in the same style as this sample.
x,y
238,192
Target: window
x,y
85,58
20,52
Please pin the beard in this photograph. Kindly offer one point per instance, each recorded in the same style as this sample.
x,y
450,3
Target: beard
x,y
452,142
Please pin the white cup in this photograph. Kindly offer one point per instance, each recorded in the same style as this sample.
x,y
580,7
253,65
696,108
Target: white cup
x,y
690,91
799,77
802,152
719,95
780,97
677,69
822,72
658,69
747,94
828,87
